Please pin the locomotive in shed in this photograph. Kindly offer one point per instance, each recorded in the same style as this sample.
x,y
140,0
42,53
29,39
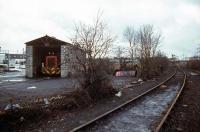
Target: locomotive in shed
x,y
51,66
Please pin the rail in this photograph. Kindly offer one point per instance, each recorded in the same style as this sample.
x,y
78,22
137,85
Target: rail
x,y
172,105
120,106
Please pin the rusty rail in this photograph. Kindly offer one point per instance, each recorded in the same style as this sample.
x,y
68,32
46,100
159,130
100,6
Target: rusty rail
x,y
157,129
122,105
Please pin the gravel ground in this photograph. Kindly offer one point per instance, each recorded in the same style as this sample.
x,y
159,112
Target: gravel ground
x,y
120,82
141,115
28,91
64,121
185,116
21,90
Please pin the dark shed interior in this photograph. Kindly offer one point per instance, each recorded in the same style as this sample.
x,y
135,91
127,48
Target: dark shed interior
x,y
39,54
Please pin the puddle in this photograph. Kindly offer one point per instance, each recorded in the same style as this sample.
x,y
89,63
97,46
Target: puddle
x,y
32,87
14,80
194,74
20,80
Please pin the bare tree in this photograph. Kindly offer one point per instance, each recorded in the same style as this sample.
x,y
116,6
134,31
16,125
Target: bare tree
x,y
198,51
161,62
130,35
120,51
148,41
120,54
94,41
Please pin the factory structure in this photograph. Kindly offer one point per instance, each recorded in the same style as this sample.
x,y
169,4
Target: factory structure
x,y
48,56
11,60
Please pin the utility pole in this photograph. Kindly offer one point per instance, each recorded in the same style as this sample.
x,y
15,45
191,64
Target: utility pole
x,y
198,52
8,61
23,53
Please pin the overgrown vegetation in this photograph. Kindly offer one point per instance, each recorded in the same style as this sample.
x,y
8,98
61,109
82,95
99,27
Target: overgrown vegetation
x,y
194,62
94,41
143,48
21,118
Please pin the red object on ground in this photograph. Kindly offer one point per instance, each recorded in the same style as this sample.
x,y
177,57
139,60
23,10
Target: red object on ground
x,y
125,73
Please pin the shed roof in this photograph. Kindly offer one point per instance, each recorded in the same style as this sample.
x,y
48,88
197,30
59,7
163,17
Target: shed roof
x,y
47,40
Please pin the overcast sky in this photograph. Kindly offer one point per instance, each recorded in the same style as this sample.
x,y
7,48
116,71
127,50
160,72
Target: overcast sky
x,y
25,20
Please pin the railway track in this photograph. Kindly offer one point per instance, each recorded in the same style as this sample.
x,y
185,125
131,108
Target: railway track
x,y
162,121
157,128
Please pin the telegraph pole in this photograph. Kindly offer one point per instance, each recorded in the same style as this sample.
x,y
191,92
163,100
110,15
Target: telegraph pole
x,y
8,61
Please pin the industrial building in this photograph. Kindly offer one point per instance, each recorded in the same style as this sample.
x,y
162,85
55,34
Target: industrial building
x,y
48,56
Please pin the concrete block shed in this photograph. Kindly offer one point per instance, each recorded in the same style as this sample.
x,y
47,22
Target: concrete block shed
x,y
38,49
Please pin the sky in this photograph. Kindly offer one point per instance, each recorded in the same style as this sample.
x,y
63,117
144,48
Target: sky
x,y
25,20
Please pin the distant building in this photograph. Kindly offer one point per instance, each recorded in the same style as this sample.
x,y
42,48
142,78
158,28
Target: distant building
x,y
194,58
120,63
15,56
3,56
15,60
11,59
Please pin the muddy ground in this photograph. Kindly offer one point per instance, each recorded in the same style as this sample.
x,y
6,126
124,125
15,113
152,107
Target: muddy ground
x,y
30,90
185,116
142,114
64,120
